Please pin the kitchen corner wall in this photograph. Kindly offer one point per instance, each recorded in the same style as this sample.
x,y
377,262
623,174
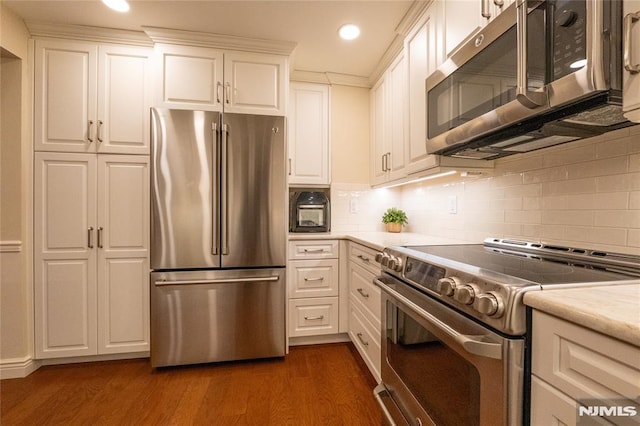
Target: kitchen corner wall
x,y
582,194
16,328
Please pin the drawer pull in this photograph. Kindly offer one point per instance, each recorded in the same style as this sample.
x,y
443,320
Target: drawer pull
x,y
364,342
363,258
321,317
314,251
314,279
362,293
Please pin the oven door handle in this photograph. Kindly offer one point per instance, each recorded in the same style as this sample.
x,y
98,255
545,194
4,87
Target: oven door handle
x,y
471,343
390,410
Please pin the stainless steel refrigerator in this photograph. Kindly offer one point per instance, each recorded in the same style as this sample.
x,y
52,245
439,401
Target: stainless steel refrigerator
x,y
218,237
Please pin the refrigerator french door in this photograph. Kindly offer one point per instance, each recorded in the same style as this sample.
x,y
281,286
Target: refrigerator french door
x,y
218,230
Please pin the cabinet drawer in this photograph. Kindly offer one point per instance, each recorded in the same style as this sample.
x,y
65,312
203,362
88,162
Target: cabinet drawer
x,y
365,257
366,340
313,249
364,293
313,278
583,363
550,406
312,317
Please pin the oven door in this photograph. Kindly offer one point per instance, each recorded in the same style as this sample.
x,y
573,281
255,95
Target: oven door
x,y
442,368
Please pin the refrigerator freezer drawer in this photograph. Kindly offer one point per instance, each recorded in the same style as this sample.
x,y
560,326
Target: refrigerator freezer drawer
x,y
211,316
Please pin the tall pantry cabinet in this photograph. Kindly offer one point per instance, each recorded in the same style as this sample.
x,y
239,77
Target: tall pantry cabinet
x,y
91,198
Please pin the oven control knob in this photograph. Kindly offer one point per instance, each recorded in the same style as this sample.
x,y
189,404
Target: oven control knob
x,y
379,257
489,304
384,259
465,294
447,286
395,263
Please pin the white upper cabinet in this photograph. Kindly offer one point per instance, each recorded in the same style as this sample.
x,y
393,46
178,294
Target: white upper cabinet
x,y
255,83
91,98
464,17
388,123
216,80
425,52
308,135
631,79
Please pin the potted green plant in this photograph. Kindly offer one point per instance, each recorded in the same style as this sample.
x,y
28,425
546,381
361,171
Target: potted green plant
x,y
394,219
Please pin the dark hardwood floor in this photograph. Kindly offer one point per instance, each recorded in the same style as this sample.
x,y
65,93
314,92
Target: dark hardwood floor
x,y
312,385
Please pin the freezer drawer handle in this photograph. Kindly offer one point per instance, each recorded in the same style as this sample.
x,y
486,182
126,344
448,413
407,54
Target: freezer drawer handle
x,y
216,281
364,342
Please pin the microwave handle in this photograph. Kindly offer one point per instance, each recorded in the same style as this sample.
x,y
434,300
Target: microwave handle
x,y
526,97
629,20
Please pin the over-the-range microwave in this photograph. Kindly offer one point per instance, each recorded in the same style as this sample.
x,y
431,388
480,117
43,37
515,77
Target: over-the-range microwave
x,y
540,74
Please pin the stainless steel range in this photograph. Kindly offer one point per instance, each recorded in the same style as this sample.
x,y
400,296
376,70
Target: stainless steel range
x,y
455,331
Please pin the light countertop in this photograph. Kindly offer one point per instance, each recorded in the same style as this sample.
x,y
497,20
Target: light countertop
x,y
378,240
612,310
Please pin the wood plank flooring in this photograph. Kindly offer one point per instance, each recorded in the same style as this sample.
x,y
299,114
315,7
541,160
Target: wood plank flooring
x,y
312,385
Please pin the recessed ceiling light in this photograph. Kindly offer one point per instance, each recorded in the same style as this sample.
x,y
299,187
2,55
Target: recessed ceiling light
x,y
349,31
117,5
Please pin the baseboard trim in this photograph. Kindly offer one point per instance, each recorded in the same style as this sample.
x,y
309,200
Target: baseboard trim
x,y
94,358
317,340
18,368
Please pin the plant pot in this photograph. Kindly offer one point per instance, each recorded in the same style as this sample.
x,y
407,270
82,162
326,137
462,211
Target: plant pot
x,y
394,227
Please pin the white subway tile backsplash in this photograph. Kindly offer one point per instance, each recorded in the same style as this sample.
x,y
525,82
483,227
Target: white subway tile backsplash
x,y
575,186
581,194
567,217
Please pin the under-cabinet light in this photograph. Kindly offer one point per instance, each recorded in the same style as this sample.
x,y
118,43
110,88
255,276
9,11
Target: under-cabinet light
x,y
117,5
434,176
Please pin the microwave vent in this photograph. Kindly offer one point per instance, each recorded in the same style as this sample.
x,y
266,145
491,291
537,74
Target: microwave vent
x,y
605,116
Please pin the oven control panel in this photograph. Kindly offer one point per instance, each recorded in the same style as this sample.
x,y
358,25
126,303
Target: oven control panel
x,y
487,301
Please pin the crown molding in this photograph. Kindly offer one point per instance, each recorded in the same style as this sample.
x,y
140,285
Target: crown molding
x,y
390,54
219,41
330,78
83,32
411,18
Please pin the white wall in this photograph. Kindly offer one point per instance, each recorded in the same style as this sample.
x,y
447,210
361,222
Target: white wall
x,y
16,328
582,194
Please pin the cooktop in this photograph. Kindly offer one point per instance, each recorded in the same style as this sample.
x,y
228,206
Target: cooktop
x,y
537,267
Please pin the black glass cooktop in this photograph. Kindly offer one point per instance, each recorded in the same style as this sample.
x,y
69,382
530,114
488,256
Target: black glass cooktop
x,y
532,267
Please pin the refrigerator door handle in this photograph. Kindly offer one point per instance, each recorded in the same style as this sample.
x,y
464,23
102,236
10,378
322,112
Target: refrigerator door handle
x,y
216,281
225,189
215,235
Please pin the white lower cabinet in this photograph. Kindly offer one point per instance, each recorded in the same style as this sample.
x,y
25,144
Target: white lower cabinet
x,y
313,288
91,268
365,306
574,365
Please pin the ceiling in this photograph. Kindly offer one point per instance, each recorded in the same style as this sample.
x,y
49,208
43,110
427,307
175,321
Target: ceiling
x,y
312,24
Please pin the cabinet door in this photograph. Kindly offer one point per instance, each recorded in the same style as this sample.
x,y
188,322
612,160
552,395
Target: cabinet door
x,y
123,100
379,137
308,137
255,83
123,247
65,255
65,93
425,53
396,113
631,82
189,77
462,18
